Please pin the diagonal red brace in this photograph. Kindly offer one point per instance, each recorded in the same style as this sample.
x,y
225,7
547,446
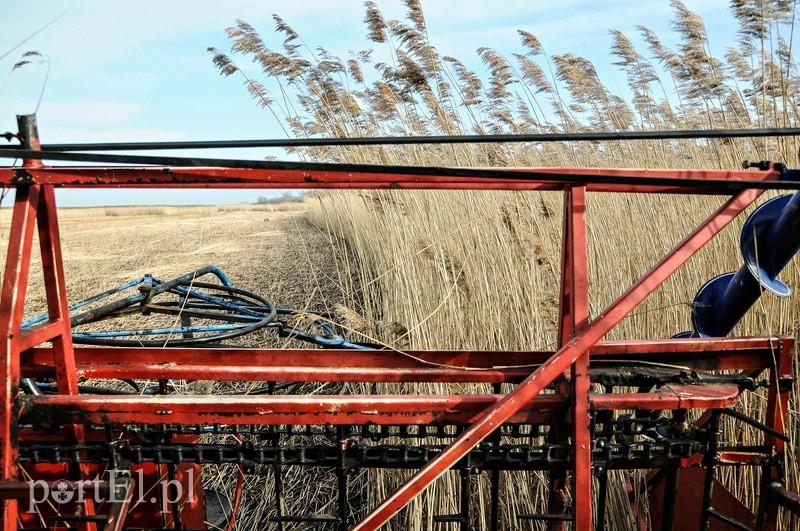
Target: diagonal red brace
x,y
494,416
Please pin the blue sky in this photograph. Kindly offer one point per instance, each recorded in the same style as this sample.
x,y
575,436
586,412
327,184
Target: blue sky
x,y
140,71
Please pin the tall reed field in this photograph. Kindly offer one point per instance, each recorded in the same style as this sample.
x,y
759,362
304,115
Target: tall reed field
x,y
480,270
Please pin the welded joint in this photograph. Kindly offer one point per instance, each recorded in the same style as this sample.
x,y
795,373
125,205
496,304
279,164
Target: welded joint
x,y
22,176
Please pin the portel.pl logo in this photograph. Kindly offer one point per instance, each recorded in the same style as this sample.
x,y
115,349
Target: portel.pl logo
x,y
111,490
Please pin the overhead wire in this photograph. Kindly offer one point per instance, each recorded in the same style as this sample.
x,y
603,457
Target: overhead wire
x,y
591,136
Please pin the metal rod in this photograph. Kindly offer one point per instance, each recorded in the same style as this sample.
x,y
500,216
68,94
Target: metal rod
x,y
754,423
602,494
777,415
22,489
784,498
280,502
465,499
432,139
494,478
709,461
729,520
670,497
343,504
310,179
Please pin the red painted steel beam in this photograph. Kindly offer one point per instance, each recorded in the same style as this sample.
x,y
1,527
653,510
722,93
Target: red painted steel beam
x,y
714,345
336,365
342,373
280,409
709,396
348,409
183,177
56,292
12,297
557,475
39,334
494,416
581,420
777,418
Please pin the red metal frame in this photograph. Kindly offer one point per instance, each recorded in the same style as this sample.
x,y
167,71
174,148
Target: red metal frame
x,y
580,336
199,177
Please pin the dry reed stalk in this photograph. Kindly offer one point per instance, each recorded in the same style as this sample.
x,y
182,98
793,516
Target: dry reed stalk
x,y
479,270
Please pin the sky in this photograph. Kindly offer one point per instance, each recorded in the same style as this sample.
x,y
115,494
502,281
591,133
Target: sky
x,y
123,71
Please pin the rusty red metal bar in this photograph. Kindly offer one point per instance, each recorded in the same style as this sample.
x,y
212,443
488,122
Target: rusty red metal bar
x,y
581,432
15,281
777,418
350,409
335,365
183,177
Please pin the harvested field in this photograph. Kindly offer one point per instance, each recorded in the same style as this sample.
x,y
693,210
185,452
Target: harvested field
x,y
271,249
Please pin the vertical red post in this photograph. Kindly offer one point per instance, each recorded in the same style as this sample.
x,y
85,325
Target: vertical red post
x,y
57,301
777,415
32,203
55,288
581,435
15,281
12,306
557,475
574,314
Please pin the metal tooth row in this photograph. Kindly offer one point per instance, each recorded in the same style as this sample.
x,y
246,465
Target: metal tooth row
x,y
369,431
615,440
485,457
620,426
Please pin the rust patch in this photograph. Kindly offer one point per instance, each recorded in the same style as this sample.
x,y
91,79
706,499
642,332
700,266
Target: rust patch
x,y
50,415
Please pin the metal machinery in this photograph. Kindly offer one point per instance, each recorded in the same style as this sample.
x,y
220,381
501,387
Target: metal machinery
x,y
57,431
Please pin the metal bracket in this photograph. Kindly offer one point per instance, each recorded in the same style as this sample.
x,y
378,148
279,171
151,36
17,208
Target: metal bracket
x,y
22,176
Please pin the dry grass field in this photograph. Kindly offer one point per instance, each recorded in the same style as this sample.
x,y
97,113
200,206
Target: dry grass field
x,y
271,249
